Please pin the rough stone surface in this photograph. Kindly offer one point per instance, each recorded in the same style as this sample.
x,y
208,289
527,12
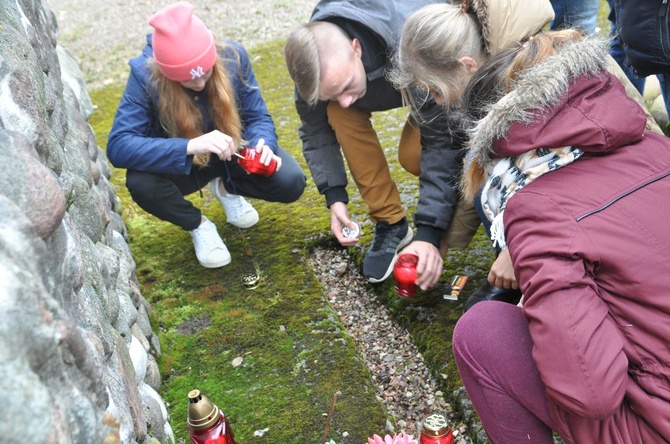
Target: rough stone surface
x,y
69,297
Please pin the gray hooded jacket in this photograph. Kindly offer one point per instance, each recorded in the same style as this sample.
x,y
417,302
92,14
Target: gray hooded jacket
x,y
441,158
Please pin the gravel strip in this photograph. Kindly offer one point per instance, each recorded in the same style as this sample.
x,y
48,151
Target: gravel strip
x,y
401,378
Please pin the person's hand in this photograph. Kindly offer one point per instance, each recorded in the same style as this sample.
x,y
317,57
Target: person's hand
x,y
214,142
339,217
429,266
266,154
502,272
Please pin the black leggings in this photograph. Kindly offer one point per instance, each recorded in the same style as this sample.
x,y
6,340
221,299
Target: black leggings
x,y
162,195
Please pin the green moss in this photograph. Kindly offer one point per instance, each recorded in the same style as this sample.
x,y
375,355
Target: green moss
x,y
296,354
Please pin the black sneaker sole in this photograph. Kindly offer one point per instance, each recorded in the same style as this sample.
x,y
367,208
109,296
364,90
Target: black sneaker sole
x,y
405,240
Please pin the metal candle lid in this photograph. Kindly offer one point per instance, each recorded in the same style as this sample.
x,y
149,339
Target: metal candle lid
x,y
251,281
202,413
351,233
435,425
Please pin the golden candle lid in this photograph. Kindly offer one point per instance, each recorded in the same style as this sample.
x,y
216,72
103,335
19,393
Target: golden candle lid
x,y
251,281
202,413
435,425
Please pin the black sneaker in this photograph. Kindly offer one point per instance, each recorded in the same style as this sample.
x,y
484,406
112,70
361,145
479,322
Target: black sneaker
x,y
378,263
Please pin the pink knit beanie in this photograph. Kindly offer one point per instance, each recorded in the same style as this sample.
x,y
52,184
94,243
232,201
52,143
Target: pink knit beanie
x,y
184,48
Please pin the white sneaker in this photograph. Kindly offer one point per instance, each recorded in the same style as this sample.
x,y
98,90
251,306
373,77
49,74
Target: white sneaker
x,y
209,248
239,212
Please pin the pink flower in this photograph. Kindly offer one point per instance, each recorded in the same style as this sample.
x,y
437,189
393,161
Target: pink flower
x,y
395,439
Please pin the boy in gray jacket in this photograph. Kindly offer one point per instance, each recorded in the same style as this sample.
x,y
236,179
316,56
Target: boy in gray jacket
x,y
339,62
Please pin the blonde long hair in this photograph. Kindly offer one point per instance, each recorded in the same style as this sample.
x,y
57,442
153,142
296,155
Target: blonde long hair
x,y
432,42
180,116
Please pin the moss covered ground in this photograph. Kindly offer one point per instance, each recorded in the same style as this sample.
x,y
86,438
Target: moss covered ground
x,y
295,352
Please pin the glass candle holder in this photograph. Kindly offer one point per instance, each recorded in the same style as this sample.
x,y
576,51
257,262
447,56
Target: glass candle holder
x,y
205,422
404,273
436,430
250,161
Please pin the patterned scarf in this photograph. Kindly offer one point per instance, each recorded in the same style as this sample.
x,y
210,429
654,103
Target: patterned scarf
x,y
508,175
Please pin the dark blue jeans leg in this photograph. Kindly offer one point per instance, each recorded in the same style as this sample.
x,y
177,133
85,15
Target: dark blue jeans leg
x,y
618,54
162,195
285,186
580,14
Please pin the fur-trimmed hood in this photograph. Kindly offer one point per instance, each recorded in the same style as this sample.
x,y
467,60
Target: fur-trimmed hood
x,y
567,100
505,22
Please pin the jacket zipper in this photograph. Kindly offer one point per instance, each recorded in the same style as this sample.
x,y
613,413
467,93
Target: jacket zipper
x,y
618,198
664,30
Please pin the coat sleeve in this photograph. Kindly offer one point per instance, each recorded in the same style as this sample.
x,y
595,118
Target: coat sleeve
x,y
132,143
322,151
577,346
256,120
441,166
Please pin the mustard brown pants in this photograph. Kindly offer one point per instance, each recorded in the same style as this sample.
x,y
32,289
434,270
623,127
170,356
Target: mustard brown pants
x,y
369,169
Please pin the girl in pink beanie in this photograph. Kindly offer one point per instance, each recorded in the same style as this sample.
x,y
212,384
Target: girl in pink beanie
x,y
189,104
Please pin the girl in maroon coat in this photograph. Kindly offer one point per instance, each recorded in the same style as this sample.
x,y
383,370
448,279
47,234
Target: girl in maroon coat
x,y
578,191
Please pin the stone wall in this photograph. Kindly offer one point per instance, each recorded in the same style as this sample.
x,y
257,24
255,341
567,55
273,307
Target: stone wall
x,y
77,352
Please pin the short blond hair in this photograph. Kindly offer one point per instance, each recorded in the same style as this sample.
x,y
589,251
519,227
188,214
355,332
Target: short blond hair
x,y
302,53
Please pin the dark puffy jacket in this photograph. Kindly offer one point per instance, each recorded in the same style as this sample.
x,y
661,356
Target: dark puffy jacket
x,y
644,29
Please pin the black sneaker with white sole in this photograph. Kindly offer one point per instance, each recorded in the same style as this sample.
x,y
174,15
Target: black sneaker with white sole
x,y
388,240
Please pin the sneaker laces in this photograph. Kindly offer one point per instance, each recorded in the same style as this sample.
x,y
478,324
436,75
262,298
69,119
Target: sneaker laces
x,y
207,236
237,204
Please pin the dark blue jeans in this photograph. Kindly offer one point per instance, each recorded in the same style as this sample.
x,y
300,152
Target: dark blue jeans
x,y
618,54
162,195
575,14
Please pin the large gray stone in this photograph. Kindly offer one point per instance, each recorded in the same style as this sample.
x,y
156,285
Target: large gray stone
x,y
70,303
31,185
71,75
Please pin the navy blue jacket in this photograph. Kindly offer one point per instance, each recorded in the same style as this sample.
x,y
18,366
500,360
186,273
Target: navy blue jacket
x,y
644,29
138,142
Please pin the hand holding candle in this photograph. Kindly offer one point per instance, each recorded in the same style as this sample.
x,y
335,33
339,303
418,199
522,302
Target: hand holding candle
x,y
258,160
